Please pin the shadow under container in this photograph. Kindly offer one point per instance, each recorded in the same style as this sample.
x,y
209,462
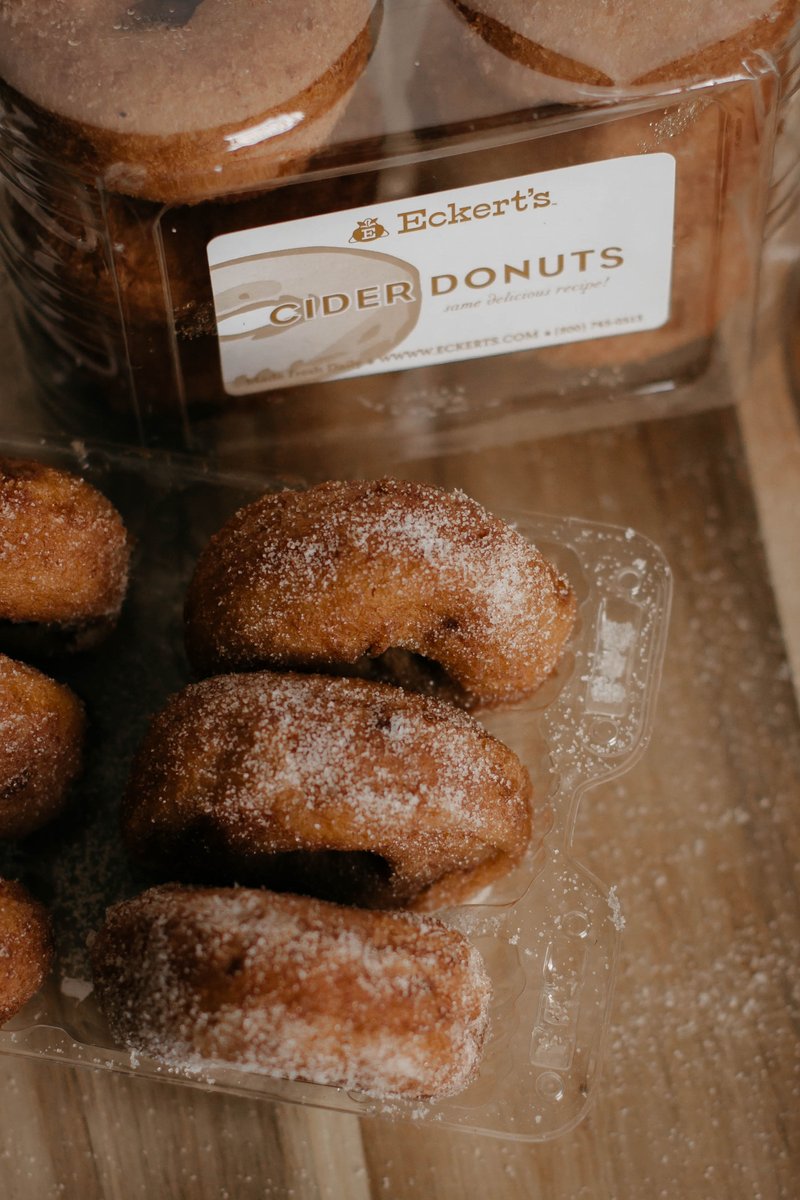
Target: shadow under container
x,y
468,235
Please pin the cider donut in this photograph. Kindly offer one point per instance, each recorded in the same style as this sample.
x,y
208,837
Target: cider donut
x,y
42,730
388,1004
97,274
340,788
180,101
64,554
633,42
25,948
322,579
149,267
579,53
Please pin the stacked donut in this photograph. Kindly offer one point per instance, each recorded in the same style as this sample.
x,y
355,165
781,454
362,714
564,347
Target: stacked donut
x,y
158,103
303,770
583,56
177,102
64,559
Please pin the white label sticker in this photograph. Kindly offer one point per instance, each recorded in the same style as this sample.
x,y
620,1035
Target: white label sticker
x,y
515,264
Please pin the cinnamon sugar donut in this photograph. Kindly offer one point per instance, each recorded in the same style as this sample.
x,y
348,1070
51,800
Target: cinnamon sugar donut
x,y
323,579
42,730
25,948
98,274
632,42
64,553
180,101
386,1004
340,788
581,53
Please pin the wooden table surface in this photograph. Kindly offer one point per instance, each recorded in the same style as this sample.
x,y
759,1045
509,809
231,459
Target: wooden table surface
x,y
700,1096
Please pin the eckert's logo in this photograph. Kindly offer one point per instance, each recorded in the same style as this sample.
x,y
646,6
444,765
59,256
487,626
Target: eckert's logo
x,y
368,230
417,219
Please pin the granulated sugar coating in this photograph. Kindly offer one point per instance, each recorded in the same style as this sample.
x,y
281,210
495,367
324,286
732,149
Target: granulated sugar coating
x,y
161,99
342,788
25,949
64,552
79,867
41,747
324,578
606,42
386,1004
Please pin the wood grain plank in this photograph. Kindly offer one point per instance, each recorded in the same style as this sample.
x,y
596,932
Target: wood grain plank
x,y
770,416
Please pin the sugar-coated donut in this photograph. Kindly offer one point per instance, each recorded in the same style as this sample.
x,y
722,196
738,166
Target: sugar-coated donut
x,y
64,553
25,948
341,788
177,102
573,53
42,728
387,1004
631,42
344,571
81,268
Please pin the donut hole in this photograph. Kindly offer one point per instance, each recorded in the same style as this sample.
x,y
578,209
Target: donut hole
x,y
40,642
173,14
342,876
412,672
236,963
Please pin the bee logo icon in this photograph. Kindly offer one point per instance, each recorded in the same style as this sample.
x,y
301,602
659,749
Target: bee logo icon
x,y
368,231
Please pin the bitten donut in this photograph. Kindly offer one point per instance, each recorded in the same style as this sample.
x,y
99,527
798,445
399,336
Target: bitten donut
x,y
341,788
386,1004
180,101
25,948
324,578
64,554
42,728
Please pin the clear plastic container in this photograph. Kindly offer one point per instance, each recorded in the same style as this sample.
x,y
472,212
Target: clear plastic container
x,y
548,932
567,221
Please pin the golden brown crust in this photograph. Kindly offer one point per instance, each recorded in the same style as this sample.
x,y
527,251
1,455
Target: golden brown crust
x,y
193,65
25,948
188,168
339,788
323,579
42,729
64,552
383,1003
184,163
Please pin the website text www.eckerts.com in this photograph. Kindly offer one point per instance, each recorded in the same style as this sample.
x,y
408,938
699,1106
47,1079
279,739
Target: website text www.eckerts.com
x,y
592,328
460,347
